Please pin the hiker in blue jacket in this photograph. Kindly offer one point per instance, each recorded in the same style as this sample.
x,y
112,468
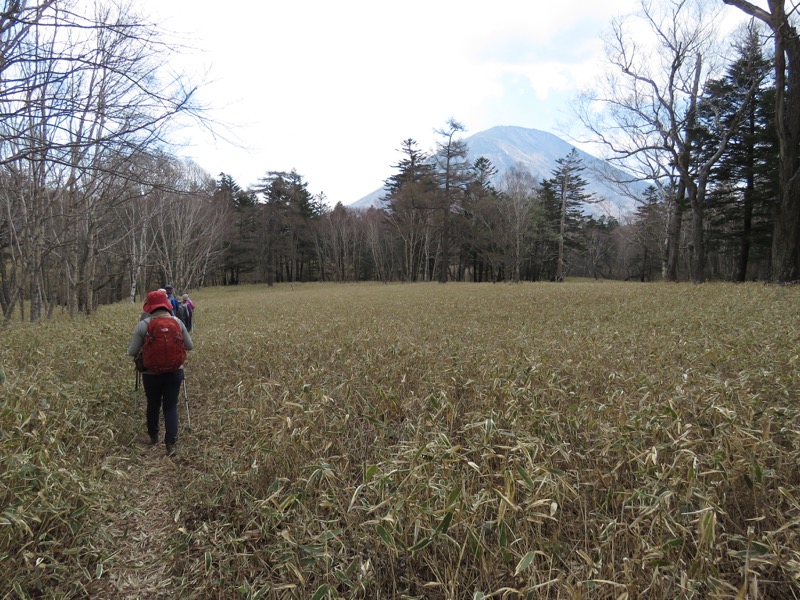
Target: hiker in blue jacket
x,y
172,299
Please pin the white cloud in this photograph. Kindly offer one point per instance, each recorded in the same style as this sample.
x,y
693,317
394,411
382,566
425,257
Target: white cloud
x,y
333,88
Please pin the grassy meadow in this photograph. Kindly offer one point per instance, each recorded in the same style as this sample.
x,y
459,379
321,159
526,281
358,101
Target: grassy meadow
x,y
460,441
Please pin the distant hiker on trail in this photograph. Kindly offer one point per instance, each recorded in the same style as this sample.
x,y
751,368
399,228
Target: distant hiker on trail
x,y
163,341
172,299
178,309
188,307
186,300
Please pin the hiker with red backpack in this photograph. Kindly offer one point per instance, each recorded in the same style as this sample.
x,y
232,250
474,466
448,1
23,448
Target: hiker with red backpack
x,y
163,342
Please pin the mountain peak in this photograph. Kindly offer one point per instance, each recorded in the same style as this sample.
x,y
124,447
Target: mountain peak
x,y
508,145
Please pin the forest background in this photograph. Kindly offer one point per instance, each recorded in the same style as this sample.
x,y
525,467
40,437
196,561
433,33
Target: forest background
x,y
97,206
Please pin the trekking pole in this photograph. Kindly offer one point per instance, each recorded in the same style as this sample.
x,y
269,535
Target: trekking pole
x,y
186,399
136,378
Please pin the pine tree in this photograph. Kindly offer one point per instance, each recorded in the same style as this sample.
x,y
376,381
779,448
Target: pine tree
x,y
239,244
410,203
453,174
287,212
563,196
648,231
414,174
478,215
785,250
743,183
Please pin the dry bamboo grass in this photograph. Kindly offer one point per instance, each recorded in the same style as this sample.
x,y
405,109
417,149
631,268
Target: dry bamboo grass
x,y
586,440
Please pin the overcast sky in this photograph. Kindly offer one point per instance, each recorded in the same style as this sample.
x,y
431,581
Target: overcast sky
x,y
332,88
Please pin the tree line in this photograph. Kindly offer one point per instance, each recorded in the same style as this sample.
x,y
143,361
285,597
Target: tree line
x,y
90,193
96,207
714,128
443,220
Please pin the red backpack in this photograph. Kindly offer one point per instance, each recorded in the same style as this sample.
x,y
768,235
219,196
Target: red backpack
x,y
163,350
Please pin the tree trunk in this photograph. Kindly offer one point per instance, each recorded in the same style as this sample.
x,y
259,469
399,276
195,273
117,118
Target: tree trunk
x,y
698,257
672,242
748,199
785,251
444,245
747,228
785,263
561,230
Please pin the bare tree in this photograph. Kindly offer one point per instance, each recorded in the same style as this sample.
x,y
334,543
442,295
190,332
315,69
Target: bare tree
x,y
343,242
188,225
649,110
378,242
514,208
82,92
786,231
413,225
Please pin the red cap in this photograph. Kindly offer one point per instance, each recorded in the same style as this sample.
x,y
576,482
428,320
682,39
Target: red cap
x,y
156,299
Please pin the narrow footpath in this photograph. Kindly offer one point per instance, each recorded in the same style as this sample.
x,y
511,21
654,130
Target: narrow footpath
x,y
144,560
145,523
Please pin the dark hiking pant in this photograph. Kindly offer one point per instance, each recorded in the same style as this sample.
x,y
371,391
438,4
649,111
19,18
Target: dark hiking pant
x,y
162,392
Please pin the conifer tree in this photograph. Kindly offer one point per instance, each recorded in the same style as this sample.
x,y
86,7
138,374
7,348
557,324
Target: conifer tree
x,y
743,184
564,194
648,231
453,176
479,214
785,252
287,212
240,235
410,203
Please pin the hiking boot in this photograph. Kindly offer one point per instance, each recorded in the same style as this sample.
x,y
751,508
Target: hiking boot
x,y
170,449
153,440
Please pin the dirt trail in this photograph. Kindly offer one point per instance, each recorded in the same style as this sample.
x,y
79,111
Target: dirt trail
x,y
144,561
145,522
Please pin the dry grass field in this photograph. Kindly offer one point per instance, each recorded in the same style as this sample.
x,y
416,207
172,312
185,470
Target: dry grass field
x,y
459,441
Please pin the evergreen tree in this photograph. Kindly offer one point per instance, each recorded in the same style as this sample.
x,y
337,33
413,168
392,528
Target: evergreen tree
x,y
648,232
479,213
288,244
785,251
414,174
228,191
743,183
453,174
411,201
240,233
563,196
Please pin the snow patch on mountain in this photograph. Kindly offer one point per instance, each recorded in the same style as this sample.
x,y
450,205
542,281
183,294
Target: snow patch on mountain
x,y
538,151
